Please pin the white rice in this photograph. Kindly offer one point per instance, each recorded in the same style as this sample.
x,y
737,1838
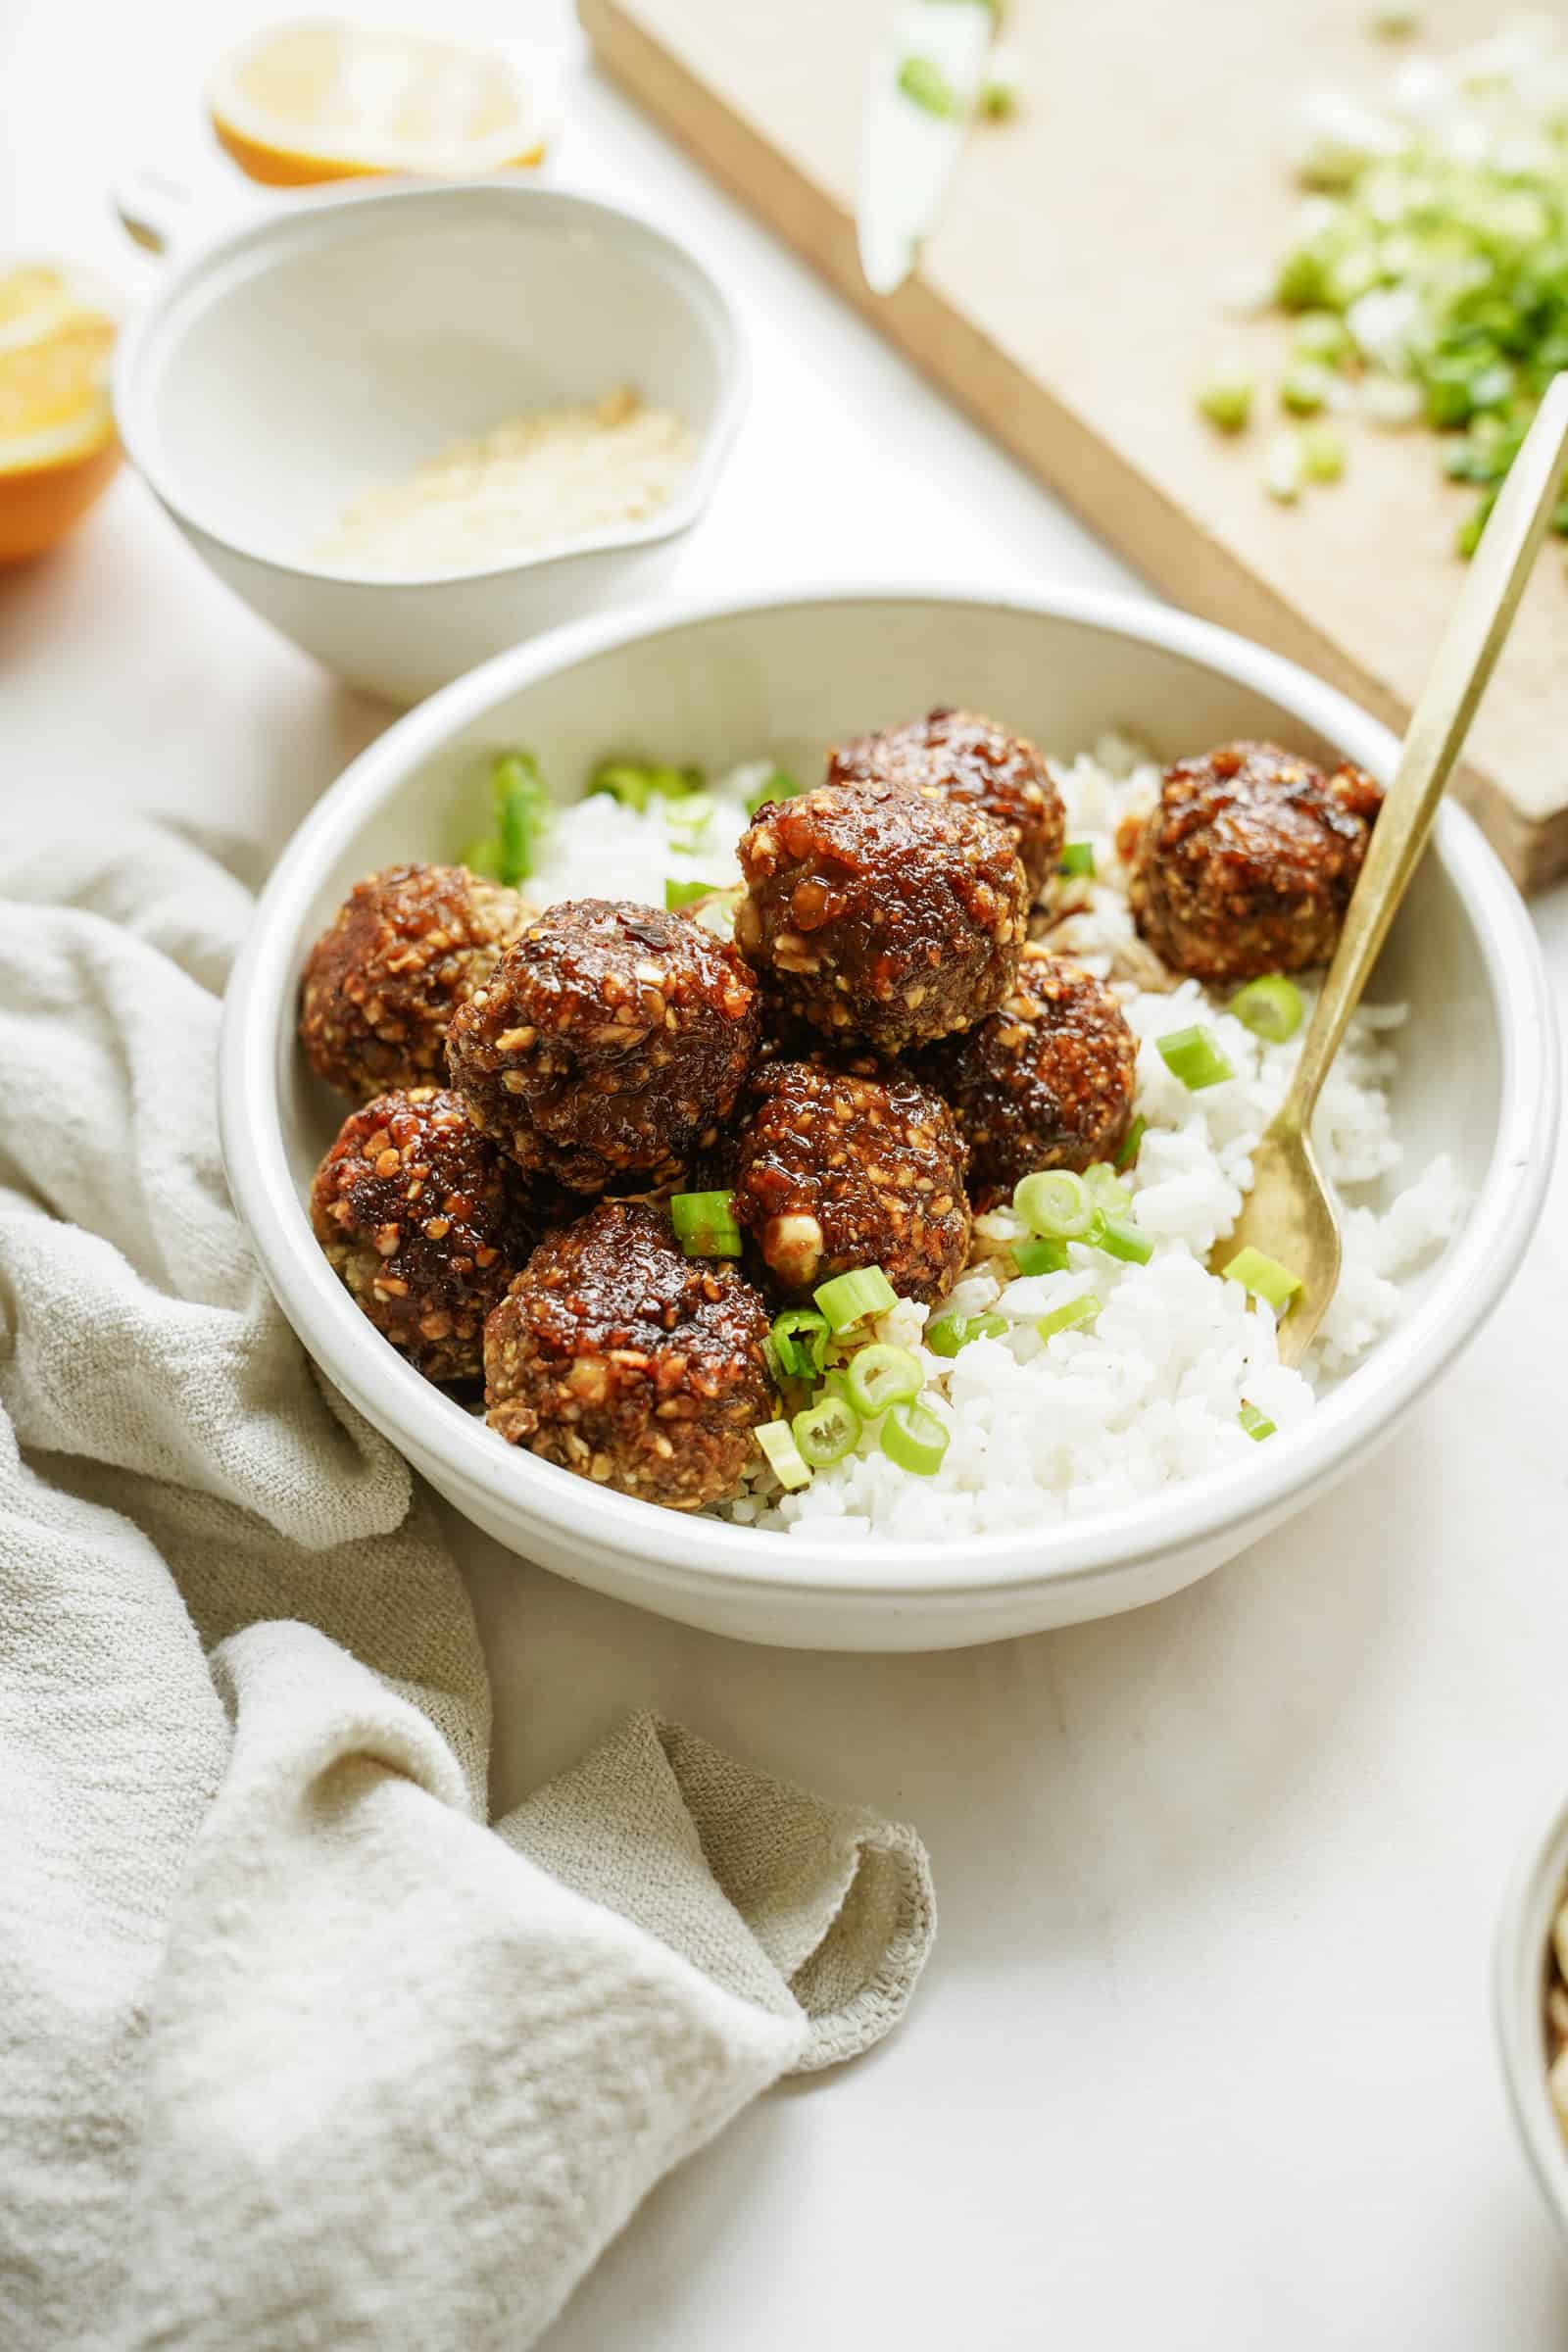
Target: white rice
x,y
1149,1394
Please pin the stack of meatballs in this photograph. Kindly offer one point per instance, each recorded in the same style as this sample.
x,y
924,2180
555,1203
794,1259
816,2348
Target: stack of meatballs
x,y
881,1051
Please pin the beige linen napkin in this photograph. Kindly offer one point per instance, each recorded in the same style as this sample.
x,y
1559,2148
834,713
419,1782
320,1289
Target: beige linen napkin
x,y
296,2050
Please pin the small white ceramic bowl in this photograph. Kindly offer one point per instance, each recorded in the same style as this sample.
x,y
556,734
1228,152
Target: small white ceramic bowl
x,y
1520,1975
330,346
783,678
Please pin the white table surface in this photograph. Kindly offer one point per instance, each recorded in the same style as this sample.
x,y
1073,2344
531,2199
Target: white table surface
x,y
1203,2058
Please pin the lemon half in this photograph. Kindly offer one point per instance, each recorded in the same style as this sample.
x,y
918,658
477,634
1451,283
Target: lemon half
x,y
322,100
57,431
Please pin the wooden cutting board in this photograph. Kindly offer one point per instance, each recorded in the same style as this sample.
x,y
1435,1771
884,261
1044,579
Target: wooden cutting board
x,y
1073,295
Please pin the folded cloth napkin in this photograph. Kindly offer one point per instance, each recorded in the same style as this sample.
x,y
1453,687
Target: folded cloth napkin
x,y
294,2048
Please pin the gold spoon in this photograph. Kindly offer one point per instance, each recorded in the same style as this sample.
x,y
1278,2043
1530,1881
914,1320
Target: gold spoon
x,y
1289,1215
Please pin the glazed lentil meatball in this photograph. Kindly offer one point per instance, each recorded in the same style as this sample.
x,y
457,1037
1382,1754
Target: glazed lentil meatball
x,y
874,914
418,1214
835,1171
1045,1082
1248,861
381,985
618,1357
959,755
608,1046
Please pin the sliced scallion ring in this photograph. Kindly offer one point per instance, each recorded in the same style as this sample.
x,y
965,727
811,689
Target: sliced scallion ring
x,y
1127,1157
1271,1007
952,1331
1119,1236
1039,1256
777,1440
826,1431
1067,1317
1194,1056
1055,1203
780,786
522,801
1078,857
880,1376
1256,1424
1264,1277
800,1337
914,1439
634,785
704,1224
1106,1190
849,1298
684,894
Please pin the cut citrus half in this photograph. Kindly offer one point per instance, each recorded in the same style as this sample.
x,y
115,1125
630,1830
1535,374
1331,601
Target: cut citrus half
x,y
57,431
319,100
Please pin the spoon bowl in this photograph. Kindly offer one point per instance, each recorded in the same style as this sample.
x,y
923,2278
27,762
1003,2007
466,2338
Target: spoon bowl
x,y
1290,1215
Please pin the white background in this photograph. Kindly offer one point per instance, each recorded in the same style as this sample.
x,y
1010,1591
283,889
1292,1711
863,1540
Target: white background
x,y
1203,2058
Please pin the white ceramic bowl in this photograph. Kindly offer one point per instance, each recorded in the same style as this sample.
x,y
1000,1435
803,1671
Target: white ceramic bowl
x,y
784,678
1519,1989
328,347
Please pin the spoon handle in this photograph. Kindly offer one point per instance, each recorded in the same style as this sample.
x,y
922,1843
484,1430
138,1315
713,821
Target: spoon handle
x,y
1437,731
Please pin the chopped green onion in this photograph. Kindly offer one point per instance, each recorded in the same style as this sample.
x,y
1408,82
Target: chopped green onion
x,y
1264,1277
1040,1256
634,786
780,786
773,1360
800,1337
1284,468
881,1376
704,1224
1127,1157
1194,1056
1106,1188
1119,1236
684,894
716,910
1271,1007
922,79
1257,1425
1082,1310
826,1431
1304,283
914,1439
1078,857
1391,402
484,857
522,809
849,1298
777,1440
1395,24
1304,388
691,814
1055,1203
952,1331
1322,453
1225,398
1322,338
999,98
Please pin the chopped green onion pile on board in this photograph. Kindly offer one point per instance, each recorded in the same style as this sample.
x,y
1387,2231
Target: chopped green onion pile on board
x,y
1428,281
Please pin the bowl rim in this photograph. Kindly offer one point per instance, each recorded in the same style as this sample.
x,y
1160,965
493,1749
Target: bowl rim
x,y
1538,1885
286,227
696,1553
